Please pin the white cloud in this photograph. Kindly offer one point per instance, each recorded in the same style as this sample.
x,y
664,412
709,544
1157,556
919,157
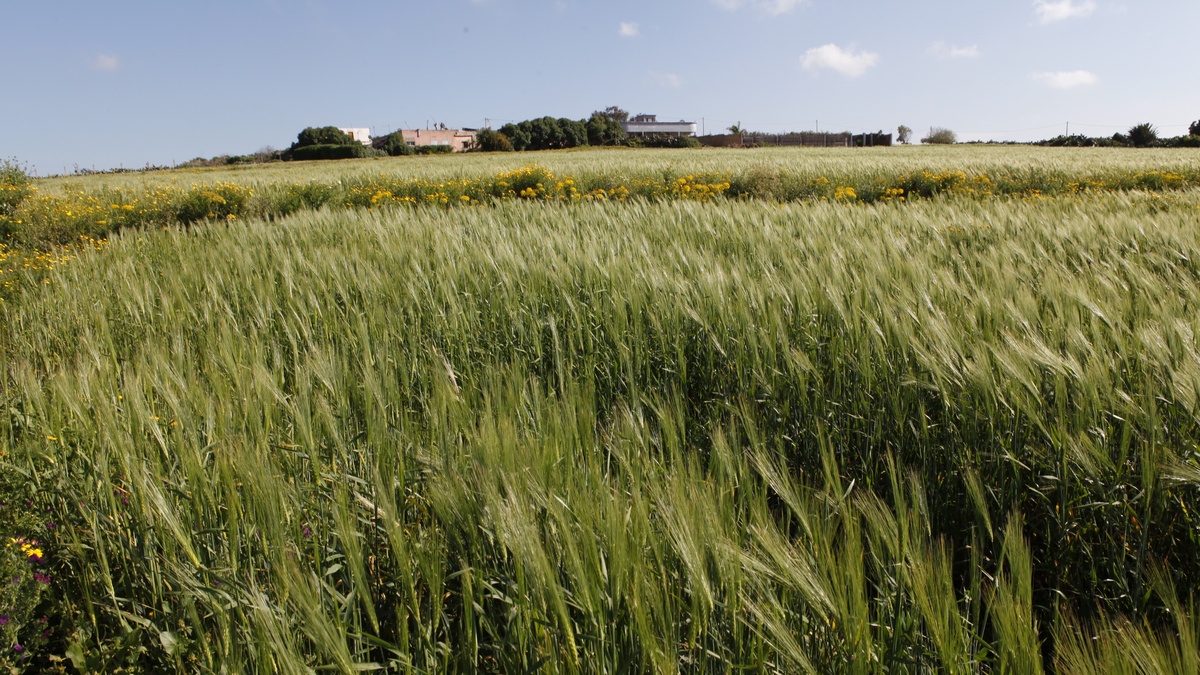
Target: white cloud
x,y
776,7
772,7
945,51
1049,12
106,63
845,61
668,80
1066,79
628,29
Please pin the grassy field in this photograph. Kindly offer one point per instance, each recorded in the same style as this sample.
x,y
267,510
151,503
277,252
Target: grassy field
x,y
952,433
60,211
617,162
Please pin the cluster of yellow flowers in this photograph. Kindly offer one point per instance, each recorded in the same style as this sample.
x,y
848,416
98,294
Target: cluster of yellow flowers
x,y
42,219
72,209
386,197
619,193
1159,180
16,264
29,548
527,183
699,188
1089,185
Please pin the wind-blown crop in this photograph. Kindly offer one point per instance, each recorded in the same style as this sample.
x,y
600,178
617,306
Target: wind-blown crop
x,y
954,435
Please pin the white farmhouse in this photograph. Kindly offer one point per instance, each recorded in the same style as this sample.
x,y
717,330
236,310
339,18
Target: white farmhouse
x,y
359,134
648,125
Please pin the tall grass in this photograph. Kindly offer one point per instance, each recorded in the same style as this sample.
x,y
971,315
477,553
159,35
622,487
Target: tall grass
x,y
59,212
650,437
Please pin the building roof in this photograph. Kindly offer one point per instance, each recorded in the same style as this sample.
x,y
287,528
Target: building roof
x,y
649,124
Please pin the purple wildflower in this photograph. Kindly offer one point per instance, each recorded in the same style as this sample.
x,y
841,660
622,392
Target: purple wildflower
x,y
18,647
4,620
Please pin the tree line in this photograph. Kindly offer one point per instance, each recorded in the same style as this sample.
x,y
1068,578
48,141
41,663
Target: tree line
x,y
547,133
604,127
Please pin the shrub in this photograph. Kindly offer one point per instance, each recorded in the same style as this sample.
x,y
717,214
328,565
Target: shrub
x,y
394,145
433,149
490,140
758,182
14,186
527,182
940,136
311,152
1192,141
1078,141
664,141
1143,135
267,154
302,196
30,576
223,200
1194,128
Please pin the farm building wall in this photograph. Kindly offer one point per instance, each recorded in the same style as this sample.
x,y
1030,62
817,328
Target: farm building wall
x,y
721,141
458,139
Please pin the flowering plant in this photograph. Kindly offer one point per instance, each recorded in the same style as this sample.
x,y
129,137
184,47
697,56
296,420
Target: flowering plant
x,y
24,586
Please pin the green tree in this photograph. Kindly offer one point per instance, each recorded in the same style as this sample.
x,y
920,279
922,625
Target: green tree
x,y
490,140
903,135
604,130
616,114
1143,135
574,133
322,136
545,134
1194,128
518,135
395,145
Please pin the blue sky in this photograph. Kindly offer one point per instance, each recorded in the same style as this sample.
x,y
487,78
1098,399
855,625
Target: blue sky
x,y
115,83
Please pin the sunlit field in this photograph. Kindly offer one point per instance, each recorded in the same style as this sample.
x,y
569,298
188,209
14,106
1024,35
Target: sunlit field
x,y
60,211
619,161
783,420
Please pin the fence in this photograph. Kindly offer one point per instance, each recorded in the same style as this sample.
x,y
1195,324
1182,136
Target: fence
x,y
810,139
807,139
872,140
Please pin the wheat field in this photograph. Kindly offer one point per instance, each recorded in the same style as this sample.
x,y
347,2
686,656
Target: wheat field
x,y
950,434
